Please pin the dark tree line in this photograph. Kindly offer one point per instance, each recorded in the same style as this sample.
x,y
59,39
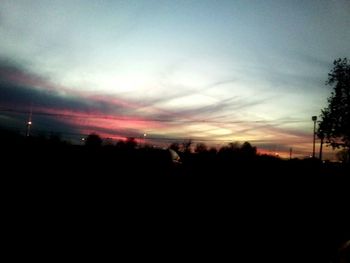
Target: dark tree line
x,y
334,126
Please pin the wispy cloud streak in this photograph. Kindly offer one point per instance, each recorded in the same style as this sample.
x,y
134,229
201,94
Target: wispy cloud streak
x,y
62,108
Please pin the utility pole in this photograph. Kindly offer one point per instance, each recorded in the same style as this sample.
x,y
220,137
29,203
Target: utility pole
x,y
321,146
290,153
314,118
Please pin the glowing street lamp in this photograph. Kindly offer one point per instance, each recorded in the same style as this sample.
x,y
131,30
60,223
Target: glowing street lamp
x,y
29,124
144,138
314,119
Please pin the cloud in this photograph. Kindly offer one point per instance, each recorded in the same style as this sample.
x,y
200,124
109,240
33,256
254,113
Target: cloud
x,y
22,90
75,112
58,108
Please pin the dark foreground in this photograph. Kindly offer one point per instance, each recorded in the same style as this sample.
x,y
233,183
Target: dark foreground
x,y
251,208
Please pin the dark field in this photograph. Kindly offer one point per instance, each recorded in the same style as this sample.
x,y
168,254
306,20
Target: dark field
x,y
257,207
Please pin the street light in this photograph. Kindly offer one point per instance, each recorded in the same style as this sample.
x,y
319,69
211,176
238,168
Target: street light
x,y
29,124
144,138
314,119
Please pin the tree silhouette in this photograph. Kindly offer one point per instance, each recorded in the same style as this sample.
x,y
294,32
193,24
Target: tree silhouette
x,y
186,146
175,146
247,150
120,144
343,155
213,151
231,148
130,143
201,148
93,140
108,142
335,119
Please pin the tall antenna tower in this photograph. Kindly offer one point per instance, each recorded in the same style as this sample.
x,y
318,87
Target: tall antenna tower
x,y
29,122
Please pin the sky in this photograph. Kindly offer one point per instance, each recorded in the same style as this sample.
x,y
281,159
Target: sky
x,y
211,71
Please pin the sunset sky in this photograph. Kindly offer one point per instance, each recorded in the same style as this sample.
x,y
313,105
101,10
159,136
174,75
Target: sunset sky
x,y
213,71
